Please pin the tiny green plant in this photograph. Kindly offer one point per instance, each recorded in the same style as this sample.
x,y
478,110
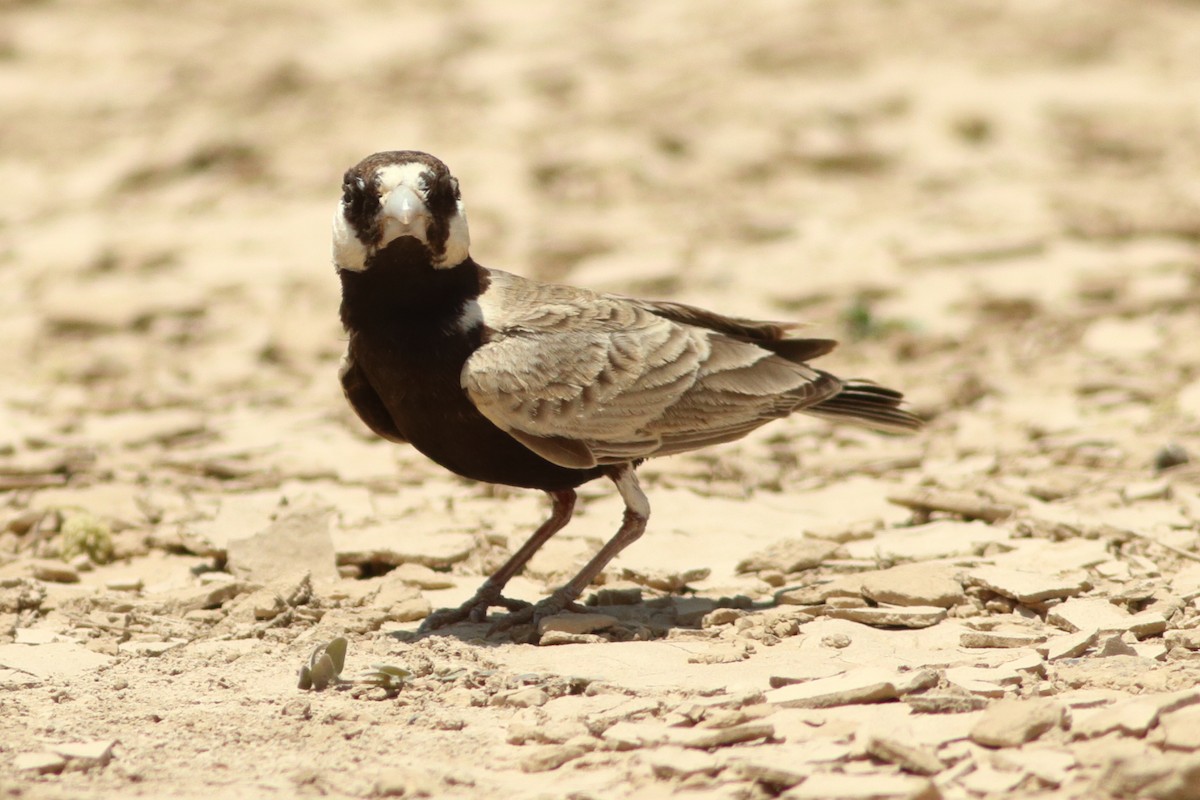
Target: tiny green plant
x,y
325,664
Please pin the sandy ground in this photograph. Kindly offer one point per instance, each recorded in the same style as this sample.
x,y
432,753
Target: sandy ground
x,y
996,205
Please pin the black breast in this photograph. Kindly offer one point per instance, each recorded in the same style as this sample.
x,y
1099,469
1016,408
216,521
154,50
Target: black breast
x,y
403,319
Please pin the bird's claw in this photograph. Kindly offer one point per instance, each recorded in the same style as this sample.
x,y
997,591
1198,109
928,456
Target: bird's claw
x,y
534,614
474,610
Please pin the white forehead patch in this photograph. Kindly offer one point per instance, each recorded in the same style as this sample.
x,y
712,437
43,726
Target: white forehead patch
x,y
408,174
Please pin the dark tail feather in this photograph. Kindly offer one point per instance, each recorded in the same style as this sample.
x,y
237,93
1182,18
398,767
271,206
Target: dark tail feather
x,y
866,403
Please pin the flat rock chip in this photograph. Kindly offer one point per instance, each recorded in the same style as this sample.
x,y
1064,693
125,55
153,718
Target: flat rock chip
x,y
39,763
576,623
1133,717
892,617
1024,586
51,571
909,757
1181,728
1051,766
1068,646
1084,613
790,555
394,544
86,755
865,685
296,542
1009,723
837,786
940,539
913,585
680,762
1000,639
706,738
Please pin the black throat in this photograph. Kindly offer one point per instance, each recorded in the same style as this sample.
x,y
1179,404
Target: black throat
x,y
400,285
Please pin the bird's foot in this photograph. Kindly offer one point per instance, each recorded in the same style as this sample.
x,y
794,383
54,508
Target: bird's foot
x,y
474,610
534,614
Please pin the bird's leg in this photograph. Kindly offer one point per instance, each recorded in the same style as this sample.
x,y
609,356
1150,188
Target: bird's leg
x,y
637,512
488,594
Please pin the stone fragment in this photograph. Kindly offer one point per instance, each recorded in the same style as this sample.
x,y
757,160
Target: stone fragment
x,y
790,555
406,782
680,762
864,685
298,541
991,782
576,623
1081,613
549,757
704,738
892,616
86,755
913,585
529,697
721,616
1070,645
422,577
552,638
1111,645
384,544
51,571
1187,639
985,681
1049,766
839,786
1135,716
1145,490
552,731
628,735
940,539
1024,586
690,611
1122,338
1181,728
945,703
999,639
672,581
1151,776
39,763
1009,723
780,768
906,755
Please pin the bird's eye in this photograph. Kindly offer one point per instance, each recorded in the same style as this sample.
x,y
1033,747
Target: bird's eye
x,y
360,201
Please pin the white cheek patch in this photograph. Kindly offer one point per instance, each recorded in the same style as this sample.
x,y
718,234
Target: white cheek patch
x,y
458,243
348,252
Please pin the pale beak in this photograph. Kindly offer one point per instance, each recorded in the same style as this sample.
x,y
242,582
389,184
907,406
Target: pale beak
x,y
402,211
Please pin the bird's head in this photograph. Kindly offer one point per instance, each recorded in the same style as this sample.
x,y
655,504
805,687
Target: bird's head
x,y
395,195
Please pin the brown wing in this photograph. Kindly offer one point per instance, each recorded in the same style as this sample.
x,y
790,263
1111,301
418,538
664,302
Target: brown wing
x,y
584,378
772,336
366,402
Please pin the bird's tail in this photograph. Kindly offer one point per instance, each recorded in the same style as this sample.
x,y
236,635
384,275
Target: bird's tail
x,y
868,404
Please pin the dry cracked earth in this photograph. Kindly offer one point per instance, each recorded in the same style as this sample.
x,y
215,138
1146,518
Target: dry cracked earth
x,y
994,204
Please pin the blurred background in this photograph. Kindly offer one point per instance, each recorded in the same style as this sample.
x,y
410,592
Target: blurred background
x,y
994,204
997,201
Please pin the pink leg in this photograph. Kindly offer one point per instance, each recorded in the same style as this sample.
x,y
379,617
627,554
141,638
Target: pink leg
x,y
489,594
637,512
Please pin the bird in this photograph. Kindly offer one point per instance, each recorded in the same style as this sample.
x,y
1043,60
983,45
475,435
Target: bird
x,y
507,380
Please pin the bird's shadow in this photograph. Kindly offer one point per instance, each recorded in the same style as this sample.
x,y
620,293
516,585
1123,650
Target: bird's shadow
x,y
649,620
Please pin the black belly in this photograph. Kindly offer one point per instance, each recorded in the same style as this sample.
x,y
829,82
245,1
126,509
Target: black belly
x,y
417,380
